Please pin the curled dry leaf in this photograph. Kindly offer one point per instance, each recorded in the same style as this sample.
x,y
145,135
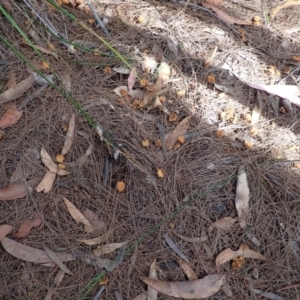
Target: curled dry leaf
x,y
17,91
201,288
26,226
97,240
77,215
31,254
69,137
152,293
10,117
229,254
175,248
4,231
180,129
56,260
190,273
274,11
131,78
105,249
223,224
47,182
242,196
192,239
16,191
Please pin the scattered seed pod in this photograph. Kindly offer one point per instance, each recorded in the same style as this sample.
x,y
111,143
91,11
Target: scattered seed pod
x,y
211,78
146,143
253,131
177,146
157,143
162,99
160,173
180,93
220,133
107,70
181,139
144,82
173,117
60,158
120,186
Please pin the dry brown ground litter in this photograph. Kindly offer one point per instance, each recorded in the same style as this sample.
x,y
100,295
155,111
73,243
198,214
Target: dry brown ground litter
x,y
195,44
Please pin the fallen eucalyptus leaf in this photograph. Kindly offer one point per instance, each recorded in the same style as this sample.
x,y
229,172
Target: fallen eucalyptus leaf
x,y
50,164
121,70
77,215
16,191
26,226
17,91
132,262
192,239
97,240
223,224
190,273
93,260
93,219
152,293
47,182
57,281
57,261
193,289
267,295
142,296
105,249
69,137
180,129
274,11
257,109
242,196
289,92
82,159
31,254
229,254
175,248
4,231
10,117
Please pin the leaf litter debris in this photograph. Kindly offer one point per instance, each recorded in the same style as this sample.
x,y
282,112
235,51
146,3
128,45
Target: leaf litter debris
x,y
150,93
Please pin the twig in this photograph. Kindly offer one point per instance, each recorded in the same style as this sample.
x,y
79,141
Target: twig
x,y
288,287
163,139
100,23
99,293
